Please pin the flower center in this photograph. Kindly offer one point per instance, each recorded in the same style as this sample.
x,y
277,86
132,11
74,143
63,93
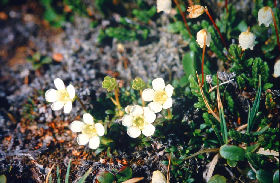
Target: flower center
x,y
160,97
89,130
139,122
63,96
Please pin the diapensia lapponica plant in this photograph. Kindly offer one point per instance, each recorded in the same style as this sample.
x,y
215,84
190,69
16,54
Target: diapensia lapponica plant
x,y
138,119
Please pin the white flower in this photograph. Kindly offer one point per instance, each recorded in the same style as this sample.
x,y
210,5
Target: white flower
x,y
138,119
200,38
62,97
247,40
160,95
265,16
158,177
90,131
276,73
164,5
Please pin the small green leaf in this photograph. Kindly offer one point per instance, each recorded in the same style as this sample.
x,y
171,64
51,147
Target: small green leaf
x,y
3,179
68,172
276,177
217,179
231,152
109,83
138,84
84,177
106,141
106,177
231,163
264,176
124,174
189,63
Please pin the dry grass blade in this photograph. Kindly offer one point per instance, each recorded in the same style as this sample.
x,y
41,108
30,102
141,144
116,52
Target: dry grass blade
x,y
205,100
49,173
136,179
202,152
168,169
212,166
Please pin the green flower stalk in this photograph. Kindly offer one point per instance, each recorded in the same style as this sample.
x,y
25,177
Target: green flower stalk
x,y
139,84
111,84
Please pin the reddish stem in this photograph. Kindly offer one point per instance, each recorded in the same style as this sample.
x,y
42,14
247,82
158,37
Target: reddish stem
x,y
218,30
202,60
183,14
275,3
276,29
226,4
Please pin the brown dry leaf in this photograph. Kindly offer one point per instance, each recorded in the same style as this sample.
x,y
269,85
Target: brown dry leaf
x,y
211,168
268,152
136,179
58,57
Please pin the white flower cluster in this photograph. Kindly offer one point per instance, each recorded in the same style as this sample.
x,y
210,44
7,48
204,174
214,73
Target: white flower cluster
x,y
139,119
63,97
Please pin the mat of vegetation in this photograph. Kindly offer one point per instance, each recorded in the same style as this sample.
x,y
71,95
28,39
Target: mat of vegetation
x,y
139,91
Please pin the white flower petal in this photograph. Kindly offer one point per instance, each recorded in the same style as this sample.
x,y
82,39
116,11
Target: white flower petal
x,y
169,90
164,5
148,94
148,130
51,95
167,104
88,119
128,108
276,69
82,139
100,129
94,142
158,84
137,110
71,91
158,177
133,132
68,107
149,115
77,126
59,84
127,120
155,106
57,105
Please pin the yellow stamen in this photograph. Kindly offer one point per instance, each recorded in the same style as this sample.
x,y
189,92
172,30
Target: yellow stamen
x,y
89,130
160,97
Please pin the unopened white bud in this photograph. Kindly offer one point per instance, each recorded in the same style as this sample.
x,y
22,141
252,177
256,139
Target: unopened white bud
x,y
265,16
202,36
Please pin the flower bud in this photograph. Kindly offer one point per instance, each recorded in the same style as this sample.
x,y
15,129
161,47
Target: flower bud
x,y
164,5
158,177
200,38
247,40
276,73
265,16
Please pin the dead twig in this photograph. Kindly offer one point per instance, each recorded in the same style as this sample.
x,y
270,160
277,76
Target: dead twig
x,y
205,100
